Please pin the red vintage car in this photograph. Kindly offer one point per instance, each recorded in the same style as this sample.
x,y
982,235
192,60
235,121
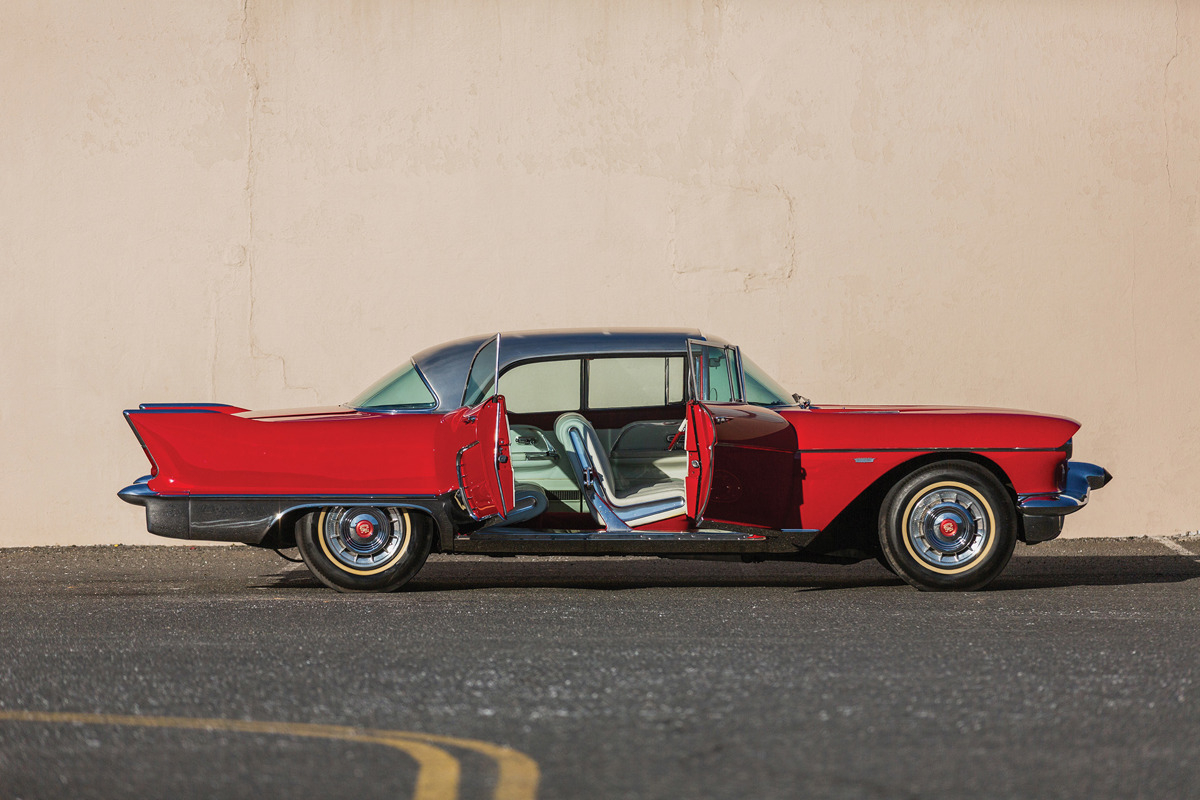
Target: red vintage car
x,y
608,442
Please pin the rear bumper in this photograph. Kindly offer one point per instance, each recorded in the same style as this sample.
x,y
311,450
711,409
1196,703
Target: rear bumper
x,y
1042,513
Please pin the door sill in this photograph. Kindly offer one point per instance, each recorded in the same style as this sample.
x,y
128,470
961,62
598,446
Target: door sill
x,y
562,542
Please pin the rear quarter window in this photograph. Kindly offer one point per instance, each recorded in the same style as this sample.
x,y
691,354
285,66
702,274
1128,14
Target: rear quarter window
x,y
635,381
542,386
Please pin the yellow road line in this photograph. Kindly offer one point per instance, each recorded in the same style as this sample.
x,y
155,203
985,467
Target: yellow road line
x,y
518,778
438,771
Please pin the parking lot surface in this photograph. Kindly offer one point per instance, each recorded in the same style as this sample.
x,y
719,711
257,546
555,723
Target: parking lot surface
x,y
228,672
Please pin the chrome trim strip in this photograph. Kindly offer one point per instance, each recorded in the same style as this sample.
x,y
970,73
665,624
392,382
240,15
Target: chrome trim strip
x,y
803,537
741,374
142,442
1081,479
600,536
463,489
174,410
504,512
152,406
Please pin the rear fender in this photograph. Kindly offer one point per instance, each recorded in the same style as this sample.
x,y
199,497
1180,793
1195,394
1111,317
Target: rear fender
x,y
218,451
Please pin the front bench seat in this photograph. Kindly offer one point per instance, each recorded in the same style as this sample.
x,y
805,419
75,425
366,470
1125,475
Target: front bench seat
x,y
597,481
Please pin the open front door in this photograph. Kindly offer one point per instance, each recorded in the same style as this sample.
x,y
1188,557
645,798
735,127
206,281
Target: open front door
x,y
700,438
480,434
741,457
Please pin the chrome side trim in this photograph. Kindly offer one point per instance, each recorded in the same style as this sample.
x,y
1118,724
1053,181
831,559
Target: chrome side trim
x,y
1081,479
496,455
153,406
461,488
802,536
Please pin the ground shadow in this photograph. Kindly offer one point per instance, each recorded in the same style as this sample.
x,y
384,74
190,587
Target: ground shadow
x,y
1059,571
620,574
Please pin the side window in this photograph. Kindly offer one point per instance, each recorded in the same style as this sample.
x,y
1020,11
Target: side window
x,y
483,372
542,386
761,388
403,388
634,382
675,380
715,372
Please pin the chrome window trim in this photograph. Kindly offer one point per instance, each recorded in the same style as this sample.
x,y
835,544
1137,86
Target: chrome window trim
x,y
720,345
471,368
585,376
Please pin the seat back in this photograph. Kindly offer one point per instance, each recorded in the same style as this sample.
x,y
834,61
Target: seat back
x,y
586,454
596,481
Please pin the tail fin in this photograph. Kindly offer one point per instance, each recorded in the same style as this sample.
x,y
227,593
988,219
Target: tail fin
x,y
146,423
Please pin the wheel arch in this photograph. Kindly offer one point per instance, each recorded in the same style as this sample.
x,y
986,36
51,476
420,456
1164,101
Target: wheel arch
x,y
853,532
282,531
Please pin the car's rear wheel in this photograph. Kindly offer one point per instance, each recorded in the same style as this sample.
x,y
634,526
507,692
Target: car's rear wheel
x,y
363,548
948,526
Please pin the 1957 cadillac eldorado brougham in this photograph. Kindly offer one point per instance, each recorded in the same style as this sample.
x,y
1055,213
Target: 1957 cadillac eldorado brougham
x,y
608,442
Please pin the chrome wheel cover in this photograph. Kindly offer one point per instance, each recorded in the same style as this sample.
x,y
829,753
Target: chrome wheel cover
x,y
948,526
362,539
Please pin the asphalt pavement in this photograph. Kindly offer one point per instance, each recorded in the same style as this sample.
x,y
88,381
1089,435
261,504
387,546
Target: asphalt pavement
x,y
227,672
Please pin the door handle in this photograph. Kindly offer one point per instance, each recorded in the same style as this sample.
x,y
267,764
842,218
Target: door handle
x,y
719,420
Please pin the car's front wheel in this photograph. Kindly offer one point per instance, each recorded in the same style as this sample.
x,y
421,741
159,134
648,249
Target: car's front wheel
x,y
948,526
363,548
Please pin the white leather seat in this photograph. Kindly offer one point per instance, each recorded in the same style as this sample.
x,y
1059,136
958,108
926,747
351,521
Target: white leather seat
x,y
598,482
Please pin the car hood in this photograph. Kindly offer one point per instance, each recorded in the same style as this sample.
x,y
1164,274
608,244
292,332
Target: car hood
x,y
927,427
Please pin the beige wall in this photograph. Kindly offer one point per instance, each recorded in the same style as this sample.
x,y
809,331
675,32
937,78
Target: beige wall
x,y
965,202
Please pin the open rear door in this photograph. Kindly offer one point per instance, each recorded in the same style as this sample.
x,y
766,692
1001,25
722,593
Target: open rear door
x,y
480,434
741,457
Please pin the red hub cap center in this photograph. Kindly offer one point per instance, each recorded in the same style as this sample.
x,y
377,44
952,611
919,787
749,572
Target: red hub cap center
x,y
364,529
948,527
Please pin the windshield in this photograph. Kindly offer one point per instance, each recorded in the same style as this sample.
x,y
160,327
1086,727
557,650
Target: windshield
x,y
761,388
403,388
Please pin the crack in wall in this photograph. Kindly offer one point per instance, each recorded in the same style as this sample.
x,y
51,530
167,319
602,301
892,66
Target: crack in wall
x,y
1166,101
257,353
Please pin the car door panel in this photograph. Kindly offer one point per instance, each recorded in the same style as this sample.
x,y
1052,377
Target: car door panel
x,y
700,440
747,470
482,461
742,457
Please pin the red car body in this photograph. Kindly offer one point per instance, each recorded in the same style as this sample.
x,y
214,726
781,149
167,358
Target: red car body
x,y
784,479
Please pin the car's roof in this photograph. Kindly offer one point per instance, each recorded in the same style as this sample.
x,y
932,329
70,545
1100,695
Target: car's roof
x,y
445,366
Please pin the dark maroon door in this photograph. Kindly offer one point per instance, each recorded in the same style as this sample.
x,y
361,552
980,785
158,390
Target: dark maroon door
x,y
747,470
753,457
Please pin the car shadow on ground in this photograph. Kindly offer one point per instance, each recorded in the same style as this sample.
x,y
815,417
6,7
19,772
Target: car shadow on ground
x,y
1061,571
450,575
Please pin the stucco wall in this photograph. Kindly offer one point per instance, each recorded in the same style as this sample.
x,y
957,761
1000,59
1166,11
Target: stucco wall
x,y
979,203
